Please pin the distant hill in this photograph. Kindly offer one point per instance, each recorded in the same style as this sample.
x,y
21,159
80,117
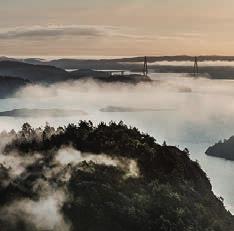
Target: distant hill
x,y
51,74
16,75
25,112
38,70
130,109
19,74
34,73
135,64
4,58
9,85
223,149
90,63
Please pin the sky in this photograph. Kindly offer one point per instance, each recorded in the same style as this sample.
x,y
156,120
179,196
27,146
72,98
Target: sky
x,y
116,27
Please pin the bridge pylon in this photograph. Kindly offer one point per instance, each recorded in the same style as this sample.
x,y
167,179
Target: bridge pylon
x,y
145,70
195,67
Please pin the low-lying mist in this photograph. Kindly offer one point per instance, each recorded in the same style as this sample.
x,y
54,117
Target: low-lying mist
x,y
199,101
162,93
206,63
186,111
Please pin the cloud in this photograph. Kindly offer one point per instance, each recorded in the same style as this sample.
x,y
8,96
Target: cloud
x,y
91,31
87,31
36,32
69,39
43,214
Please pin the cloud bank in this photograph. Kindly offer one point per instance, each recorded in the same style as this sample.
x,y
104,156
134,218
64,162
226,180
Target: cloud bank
x,y
55,31
51,31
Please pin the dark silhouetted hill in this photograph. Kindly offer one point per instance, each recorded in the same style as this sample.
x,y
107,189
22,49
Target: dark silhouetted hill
x,y
25,112
167,191
135,64
34,73
50,74
223,149
10,85
41,70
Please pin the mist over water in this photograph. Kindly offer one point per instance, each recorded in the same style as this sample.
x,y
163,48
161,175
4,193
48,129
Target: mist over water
x,y
189,112
190,63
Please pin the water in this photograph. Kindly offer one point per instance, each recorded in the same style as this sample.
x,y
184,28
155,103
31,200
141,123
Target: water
x,y
201,114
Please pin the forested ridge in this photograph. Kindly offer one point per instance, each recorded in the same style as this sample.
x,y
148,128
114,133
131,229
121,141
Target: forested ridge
x,y
169,191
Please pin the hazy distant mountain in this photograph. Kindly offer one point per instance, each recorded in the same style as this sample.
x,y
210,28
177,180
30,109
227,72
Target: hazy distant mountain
x,y
34,73
38,70
9,85
50,74
213,72
4,58
179,58
91,63
25,112
130,109
136,64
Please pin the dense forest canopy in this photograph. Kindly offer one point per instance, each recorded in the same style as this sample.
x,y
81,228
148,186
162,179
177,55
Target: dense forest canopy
x,y
123,180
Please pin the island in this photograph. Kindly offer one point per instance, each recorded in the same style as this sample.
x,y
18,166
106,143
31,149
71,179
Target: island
x,y
25,112
131,109
223,149
117,178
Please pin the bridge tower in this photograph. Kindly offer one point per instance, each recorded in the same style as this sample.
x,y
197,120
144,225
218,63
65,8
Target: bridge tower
x,y
145,70
195,67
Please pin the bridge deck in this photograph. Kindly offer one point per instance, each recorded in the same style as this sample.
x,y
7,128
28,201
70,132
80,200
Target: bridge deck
x,y
116,72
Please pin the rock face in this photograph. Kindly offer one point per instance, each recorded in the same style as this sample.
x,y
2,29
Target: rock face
x,y
223,149
138,185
